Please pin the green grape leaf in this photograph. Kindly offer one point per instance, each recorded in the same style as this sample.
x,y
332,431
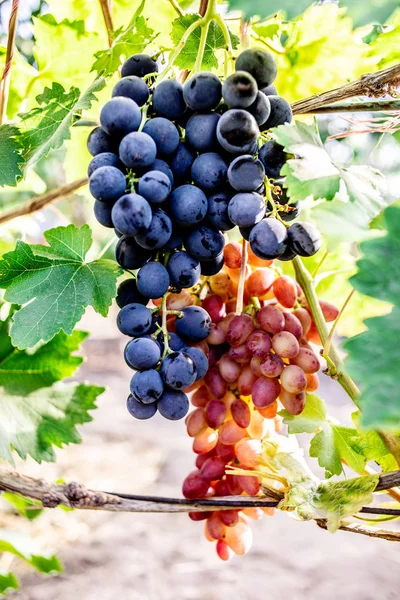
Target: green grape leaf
x,y
332,443
55,284
371,445
371,362
33,424
47,126
378,270
215,41
28,550
362,13
22,372
8,581
132,39
313,173
23,505
378,276
10,157
336,500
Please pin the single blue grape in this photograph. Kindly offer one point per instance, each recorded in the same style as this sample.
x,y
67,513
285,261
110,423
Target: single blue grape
x,y
164,133
120,116
202,91
158,233
246,173
187,205
107,184
259,63
246,209
304,238
209,171
142,353
217,213
270,90
212,267
139,65
99,142
268,239
201,131
175,342
178,370
132,87
245,232
173,405
260,109
273,157
168,99
200,360
204,243
127,293
194,325
134,319
131,214
161,165
104,159
153,280
280,113
183,269
155,186
147,386
102,212
139,410
129,255
181,162
237,131
137,150
239,90
288,254
175,242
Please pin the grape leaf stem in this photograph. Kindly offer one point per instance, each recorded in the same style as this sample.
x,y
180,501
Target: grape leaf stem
x,y
306,283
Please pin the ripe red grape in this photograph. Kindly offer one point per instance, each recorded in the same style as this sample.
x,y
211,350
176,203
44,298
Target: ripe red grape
x,y
271,319
265,391
293,379
285,344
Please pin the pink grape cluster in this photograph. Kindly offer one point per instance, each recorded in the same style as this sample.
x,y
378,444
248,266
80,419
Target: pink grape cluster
x,y
258,361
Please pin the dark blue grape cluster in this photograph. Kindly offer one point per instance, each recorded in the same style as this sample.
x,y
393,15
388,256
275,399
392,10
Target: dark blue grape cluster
x,y
174,167
164,367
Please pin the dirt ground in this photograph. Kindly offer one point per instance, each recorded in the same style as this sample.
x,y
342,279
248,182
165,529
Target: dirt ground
x,y
166,557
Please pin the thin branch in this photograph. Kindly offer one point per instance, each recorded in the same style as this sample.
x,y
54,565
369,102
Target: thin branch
x,y
39,202
370,84
359,106
5,79
105,9
372,510
77,496
384,534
